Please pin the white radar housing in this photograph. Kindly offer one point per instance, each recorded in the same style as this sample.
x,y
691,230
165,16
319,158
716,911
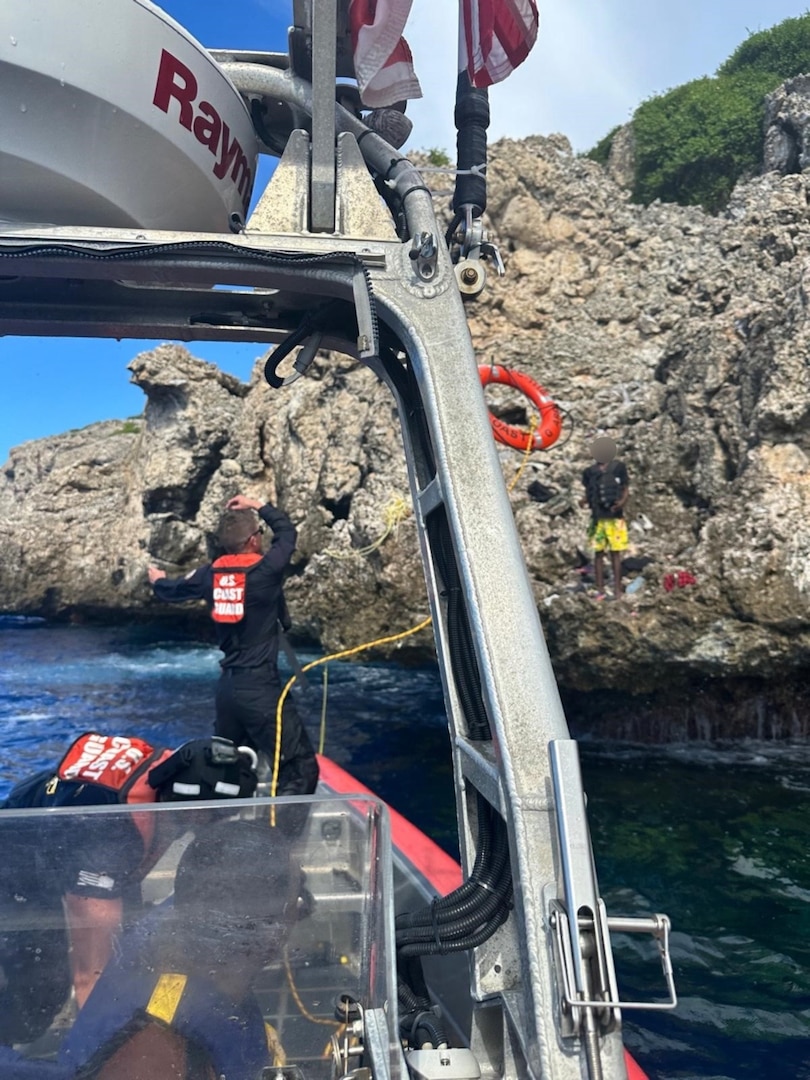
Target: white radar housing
x,y
112,115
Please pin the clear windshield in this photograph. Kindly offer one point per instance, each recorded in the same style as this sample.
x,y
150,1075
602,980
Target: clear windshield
x,y
248,937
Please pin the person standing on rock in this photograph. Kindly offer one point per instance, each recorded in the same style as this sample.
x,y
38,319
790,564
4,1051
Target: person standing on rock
x,y
243,592
607,487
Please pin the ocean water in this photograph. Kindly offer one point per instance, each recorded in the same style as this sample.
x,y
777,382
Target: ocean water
x,y
715,836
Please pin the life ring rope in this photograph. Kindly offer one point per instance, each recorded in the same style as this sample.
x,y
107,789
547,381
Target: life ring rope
x,y
525,456
547,430
395,511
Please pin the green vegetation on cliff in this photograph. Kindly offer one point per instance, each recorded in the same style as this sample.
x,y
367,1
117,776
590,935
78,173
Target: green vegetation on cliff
x,y
693,143
784,50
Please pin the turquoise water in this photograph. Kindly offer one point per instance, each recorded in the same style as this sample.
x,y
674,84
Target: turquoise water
x,y
713,836
716,837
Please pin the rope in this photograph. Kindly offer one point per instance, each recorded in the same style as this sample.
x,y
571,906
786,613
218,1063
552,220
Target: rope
x,y
342,655
274,1046
529,438
339,1025
336,1024
395,511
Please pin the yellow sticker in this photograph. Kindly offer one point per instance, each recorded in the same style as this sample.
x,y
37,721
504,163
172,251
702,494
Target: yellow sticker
x,y
166,997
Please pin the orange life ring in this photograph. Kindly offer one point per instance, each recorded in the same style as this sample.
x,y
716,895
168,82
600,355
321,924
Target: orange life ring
x,y
547,431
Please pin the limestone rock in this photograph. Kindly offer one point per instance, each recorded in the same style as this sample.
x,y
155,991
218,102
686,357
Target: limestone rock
x,y
682,335
621,162
787,127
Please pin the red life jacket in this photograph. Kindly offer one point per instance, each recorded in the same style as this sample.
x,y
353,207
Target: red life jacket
x,y
230,586
119,765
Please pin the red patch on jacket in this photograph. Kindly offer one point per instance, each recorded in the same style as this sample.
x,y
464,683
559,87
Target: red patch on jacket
x,y
230,584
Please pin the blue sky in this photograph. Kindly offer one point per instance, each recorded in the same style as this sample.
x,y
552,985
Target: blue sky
x,y
595,60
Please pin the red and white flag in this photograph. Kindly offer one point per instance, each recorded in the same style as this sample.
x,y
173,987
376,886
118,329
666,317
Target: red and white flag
x,y
495,36
382,60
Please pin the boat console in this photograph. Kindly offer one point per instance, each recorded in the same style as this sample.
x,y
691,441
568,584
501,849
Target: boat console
x,y
255,914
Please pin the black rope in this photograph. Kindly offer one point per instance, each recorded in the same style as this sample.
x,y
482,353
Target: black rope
x,y
451,228
567,414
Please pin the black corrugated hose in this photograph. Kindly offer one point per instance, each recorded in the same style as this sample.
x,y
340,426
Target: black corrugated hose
x,y
475,910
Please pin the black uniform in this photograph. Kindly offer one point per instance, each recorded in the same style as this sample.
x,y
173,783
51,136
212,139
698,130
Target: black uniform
x,y
104,857
244,595
99,857
93,856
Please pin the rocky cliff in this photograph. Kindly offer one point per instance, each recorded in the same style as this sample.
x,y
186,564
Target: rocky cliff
x,y
682,335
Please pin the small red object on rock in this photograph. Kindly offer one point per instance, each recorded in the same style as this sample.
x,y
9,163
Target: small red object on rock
x,y
679,580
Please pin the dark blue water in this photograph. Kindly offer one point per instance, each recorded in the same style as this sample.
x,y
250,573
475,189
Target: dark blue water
x,y
714,836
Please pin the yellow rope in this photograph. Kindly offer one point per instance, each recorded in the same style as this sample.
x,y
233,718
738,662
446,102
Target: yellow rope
x,y
274,1045
339,1025
336,1024
529,440
342,655
395,511
297,998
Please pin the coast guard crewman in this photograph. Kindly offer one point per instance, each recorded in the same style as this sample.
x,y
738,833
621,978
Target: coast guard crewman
x,y
243,592
89,867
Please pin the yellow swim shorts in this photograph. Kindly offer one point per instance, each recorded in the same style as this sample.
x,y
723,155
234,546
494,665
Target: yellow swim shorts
x,y
608,534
